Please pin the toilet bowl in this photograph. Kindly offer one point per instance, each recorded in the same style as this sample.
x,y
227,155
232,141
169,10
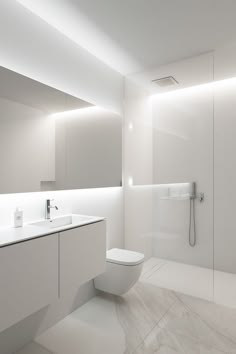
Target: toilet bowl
x,y
123,269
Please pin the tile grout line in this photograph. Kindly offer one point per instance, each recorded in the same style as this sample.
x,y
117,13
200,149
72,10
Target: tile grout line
x,y
184,335
195,340
156,325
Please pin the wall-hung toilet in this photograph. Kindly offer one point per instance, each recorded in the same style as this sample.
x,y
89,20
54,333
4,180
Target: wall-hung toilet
x,y
123,269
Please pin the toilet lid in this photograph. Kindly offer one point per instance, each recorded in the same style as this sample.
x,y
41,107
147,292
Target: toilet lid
x,y
125,257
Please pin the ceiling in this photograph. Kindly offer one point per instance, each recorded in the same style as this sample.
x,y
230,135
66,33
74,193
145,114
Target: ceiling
x,y
19,88
135,35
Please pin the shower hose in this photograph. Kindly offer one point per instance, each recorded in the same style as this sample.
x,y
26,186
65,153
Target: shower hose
x,y
192,224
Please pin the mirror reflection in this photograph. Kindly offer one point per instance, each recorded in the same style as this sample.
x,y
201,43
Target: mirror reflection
x,y
50,140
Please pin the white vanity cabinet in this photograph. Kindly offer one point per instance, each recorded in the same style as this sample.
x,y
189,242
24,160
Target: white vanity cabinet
x,y
38,271
28,278
82,255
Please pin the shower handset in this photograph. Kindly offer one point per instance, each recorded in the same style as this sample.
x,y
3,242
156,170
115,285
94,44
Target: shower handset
x,y
192,190
193,195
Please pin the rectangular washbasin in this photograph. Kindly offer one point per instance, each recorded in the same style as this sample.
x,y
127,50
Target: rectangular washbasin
x,y
67,220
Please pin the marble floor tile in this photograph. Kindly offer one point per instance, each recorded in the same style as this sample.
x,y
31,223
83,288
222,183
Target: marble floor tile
x,y
225,288
34,348
181,321
141,309
92,329
161,341
220,318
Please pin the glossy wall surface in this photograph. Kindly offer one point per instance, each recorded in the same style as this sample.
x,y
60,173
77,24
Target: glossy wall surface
x,y
193,140
183,152
224,176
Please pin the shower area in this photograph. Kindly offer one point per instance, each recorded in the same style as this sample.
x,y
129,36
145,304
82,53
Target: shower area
x,y
180,171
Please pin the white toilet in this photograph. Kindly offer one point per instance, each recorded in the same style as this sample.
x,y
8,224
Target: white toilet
x,y
123,269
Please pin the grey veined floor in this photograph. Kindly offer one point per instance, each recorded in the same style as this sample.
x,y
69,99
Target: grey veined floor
x,y
148,319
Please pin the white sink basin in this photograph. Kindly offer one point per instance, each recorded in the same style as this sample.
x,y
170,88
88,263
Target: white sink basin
x,y
67,220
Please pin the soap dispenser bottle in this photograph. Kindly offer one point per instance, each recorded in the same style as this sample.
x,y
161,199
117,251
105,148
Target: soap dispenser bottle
x,y
18,217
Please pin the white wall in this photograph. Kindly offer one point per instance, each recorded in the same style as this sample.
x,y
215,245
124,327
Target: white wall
x,y
194,140
32,48
183,152
171,142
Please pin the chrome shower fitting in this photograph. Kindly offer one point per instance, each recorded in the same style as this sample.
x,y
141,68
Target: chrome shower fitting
x,y
192,240
193,195
200,197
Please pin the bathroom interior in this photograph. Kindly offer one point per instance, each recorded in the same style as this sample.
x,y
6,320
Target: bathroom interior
x,y
117,180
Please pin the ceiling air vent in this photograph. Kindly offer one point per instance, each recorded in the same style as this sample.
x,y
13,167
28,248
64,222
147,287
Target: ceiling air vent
x,y
165,81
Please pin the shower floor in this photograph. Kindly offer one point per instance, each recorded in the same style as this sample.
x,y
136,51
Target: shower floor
x,y
200,282
184,278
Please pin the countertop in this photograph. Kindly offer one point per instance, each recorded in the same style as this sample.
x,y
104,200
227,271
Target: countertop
x,y
10,235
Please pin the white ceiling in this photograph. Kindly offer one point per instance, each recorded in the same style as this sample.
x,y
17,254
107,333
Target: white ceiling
x,y
135,35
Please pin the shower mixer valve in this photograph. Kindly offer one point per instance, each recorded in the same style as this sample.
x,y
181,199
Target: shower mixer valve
x,y
200,197
193,193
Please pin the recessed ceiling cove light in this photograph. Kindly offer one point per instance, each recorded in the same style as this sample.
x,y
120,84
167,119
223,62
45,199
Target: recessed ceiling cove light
x,y
77,112
220,84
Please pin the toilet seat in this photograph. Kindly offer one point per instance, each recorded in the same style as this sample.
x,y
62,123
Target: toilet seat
x,y
124,257
123,269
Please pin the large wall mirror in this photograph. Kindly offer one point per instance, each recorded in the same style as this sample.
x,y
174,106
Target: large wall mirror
x,y
50,140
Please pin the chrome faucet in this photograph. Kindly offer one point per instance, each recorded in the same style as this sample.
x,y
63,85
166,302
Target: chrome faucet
x,y
48,208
